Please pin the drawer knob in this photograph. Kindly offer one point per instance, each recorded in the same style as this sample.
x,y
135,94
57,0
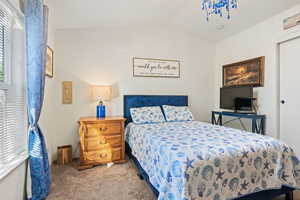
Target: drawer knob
x,y
103,129
102,142
103,155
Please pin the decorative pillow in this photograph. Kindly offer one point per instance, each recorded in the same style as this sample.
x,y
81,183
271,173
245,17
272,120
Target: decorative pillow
x,y
177,113
147,115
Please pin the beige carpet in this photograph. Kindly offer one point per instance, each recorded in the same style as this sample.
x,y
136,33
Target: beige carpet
x,y
119,182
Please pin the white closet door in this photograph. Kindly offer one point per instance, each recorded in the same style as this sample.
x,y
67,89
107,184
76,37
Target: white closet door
x,y
290,93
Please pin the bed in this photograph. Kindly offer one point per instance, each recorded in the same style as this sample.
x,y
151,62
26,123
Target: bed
x,y
196,160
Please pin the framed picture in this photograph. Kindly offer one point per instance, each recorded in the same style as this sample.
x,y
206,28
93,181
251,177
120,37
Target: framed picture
x,y
246,73
67,92
49,62
150,67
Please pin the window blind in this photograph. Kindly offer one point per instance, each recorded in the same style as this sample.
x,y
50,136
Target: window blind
x,y
13,123
4,24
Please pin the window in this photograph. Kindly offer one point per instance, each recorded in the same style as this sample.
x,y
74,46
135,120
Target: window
x,y
13,122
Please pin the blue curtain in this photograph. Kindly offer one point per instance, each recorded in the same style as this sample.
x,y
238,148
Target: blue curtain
x,y
36,17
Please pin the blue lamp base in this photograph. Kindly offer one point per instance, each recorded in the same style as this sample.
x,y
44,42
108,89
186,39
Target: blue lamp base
x,y
100,111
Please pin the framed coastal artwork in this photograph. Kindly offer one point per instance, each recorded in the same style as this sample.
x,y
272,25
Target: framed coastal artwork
x,y
245,73
49,62
150,67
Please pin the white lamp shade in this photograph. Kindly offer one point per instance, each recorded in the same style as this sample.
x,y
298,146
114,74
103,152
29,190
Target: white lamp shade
x,y
101,93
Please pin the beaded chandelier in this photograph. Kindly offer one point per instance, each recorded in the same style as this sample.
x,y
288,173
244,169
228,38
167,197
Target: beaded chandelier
x,y
217,7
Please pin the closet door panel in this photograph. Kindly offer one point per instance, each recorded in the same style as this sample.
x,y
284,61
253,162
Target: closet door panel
x,y
290,93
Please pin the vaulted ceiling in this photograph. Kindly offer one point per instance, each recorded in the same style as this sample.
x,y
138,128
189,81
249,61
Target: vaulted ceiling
x,y
181,14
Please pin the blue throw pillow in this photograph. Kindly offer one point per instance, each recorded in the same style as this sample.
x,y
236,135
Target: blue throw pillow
x,y
177,113
147,115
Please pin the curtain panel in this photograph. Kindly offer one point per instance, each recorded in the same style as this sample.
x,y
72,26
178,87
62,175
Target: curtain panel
x,y
36,21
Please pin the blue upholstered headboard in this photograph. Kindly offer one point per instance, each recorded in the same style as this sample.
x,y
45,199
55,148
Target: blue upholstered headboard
x,y
134,101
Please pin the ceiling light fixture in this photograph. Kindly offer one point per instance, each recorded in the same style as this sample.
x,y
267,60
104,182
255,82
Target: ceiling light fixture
x,y
217,7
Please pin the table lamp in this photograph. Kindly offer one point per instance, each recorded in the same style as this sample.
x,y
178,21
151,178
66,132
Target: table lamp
x,y
101,94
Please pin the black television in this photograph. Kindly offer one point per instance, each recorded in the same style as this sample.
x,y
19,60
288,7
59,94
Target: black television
x,y
236,98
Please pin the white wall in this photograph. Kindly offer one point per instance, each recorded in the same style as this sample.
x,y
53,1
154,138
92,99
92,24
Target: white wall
x,y
104,56
12,187
259,40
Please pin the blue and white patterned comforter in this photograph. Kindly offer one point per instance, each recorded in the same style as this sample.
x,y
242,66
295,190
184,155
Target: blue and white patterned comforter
x,y
195,160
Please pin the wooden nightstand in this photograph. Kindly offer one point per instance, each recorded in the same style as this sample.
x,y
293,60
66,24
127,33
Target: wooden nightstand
x,y
101,141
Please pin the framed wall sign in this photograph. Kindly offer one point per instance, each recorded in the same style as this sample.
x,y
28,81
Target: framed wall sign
x,y
150,67
248,72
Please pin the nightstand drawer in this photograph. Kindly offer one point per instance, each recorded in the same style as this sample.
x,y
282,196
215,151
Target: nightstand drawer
x,y
104,155
95,143
114,140
100,142
105,129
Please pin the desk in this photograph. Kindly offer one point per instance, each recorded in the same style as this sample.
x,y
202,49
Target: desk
x,y
258,121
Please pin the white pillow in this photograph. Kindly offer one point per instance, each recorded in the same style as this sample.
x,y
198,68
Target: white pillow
x,y
147,115
177,113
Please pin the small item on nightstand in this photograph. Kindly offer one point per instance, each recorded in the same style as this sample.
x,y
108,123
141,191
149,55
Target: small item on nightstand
x,y
64,154
101,110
